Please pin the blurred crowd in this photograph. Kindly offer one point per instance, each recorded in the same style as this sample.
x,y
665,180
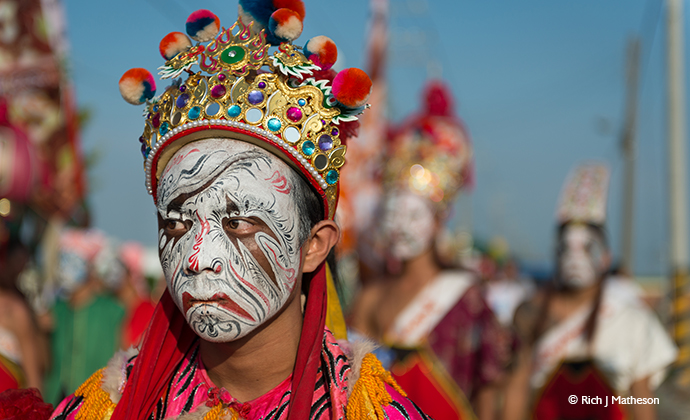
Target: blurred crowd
x,y
57,329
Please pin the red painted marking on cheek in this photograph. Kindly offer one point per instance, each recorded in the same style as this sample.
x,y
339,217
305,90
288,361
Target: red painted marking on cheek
x,y
279,182
198,240
289,272
250,286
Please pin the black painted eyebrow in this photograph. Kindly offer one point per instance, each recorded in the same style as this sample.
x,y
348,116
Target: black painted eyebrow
x,y
231,205
176,203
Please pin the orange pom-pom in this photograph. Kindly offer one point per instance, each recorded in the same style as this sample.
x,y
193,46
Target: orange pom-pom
x,y
173,44
137,86
285,25
352,87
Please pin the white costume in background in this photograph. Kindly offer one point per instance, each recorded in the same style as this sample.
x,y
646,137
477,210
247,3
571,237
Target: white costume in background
x,y
629,342
427,309
9,346
504,297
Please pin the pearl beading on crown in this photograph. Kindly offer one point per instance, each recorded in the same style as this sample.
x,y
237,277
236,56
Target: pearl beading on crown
x,y
218,122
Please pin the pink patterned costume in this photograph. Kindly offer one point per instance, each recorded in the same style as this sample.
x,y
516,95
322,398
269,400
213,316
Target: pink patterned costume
x,y
191,392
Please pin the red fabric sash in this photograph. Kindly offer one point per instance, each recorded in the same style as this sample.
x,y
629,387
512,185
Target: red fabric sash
x,y
428,384
10,374
309,350
168,338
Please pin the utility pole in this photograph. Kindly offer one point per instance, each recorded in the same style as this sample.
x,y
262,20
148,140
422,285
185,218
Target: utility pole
x,y
629,152
677,188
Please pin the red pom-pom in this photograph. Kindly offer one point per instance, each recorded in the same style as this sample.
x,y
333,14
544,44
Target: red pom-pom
x,y
352,87
296,6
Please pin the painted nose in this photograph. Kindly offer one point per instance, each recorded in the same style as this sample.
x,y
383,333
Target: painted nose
x,y
203,255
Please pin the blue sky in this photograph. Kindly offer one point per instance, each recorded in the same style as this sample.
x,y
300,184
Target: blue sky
x,y
540,85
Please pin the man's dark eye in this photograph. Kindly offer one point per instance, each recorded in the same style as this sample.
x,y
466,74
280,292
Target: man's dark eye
x,y
239,225
175,227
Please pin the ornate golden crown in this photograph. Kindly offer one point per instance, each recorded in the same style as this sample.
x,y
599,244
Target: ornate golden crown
x,y
270,99
431,154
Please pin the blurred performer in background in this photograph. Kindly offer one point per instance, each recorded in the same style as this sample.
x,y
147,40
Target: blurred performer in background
x,y
448,346
86,317
134,295
506,289
21,349
582,336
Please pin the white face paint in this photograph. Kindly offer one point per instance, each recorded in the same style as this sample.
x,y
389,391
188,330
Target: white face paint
x,y
228,236
580,257
407,226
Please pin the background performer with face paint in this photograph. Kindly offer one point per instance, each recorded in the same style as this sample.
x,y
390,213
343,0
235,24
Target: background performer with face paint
x,y
243,161
586,335
448,346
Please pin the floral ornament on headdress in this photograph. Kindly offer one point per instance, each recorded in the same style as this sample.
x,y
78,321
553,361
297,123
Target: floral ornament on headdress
x,y
431,153
254,85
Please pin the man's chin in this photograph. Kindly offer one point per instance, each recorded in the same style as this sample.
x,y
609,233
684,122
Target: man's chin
x,y
211,327
221,338
217,336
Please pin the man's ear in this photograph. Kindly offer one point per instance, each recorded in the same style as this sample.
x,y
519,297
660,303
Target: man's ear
x,y
324,235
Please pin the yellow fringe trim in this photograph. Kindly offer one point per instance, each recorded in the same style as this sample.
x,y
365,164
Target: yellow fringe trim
x,y
369,394
219,412
334,312
97,404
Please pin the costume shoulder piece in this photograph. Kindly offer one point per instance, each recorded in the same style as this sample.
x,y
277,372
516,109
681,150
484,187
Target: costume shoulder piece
x,y
97,397
373,393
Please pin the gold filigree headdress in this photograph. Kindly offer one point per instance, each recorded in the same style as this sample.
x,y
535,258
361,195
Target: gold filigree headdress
x,y
430,154
279,97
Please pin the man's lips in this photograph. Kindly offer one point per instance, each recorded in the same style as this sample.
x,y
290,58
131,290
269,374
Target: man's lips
x,y
221,299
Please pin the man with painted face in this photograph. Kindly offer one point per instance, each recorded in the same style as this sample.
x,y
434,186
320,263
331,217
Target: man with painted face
x,y
586,336
243,163
448,349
